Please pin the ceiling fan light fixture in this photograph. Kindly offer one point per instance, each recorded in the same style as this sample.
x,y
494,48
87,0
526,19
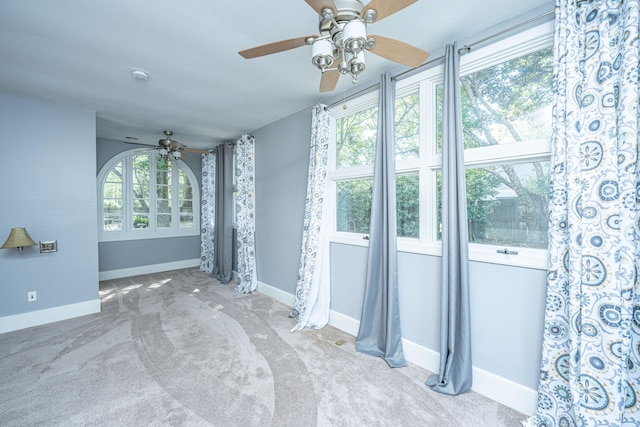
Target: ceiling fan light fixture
x,y
354,36
370,16
357,65
322,53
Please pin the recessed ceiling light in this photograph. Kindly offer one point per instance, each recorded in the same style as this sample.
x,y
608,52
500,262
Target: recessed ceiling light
x,y
140,75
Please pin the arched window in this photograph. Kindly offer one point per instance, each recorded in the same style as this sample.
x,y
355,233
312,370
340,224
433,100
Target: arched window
x,y
143,196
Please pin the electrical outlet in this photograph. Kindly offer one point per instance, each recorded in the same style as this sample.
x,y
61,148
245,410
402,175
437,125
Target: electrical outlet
x,y
32,296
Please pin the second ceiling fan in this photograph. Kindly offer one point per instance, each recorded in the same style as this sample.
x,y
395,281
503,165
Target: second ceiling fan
x,y
170,149
343,39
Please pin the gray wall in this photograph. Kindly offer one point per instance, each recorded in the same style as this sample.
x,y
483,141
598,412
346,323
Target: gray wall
x,y
507,303
137,253
282,162
48,177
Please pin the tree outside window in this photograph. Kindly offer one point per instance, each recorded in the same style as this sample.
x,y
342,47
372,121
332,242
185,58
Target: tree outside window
x,y
509,103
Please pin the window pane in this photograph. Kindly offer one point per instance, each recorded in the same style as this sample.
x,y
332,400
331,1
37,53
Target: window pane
x,y
164,206
141,221
407,126
506,204
356,138
112,190
506,103
509,102
439,112
115,175
112,199
141,196
112,214
164,221
186,200
354,205
407,205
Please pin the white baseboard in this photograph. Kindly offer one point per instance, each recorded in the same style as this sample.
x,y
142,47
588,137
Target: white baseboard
x,y
55,314
276,294
499,389
509,393
148,269
344,323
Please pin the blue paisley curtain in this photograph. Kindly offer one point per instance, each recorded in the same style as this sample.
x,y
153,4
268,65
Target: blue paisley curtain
x,y
245,214
207,212
311,307
591,348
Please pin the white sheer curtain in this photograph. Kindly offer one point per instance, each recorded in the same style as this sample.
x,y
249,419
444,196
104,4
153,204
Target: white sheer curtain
x,y
311,307
245,214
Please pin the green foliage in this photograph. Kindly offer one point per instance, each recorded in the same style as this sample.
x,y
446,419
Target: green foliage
x,y
140,222
481,191
408,205
503,103
353,203
407,126
506,103
356,138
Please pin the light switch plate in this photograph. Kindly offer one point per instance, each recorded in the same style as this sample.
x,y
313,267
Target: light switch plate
x,y
50,246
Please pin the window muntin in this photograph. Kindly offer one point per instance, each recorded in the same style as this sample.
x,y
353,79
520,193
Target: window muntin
x,y
140,197
516,147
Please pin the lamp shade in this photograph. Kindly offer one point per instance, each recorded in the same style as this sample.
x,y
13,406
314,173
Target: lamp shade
x,y
18,238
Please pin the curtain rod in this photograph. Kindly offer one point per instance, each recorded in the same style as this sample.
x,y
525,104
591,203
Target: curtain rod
x,y
440,58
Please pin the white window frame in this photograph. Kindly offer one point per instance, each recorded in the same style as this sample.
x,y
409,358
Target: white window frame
x,y
128,232
430,162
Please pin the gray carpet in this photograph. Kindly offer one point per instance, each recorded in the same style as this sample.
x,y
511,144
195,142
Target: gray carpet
x,y
179,349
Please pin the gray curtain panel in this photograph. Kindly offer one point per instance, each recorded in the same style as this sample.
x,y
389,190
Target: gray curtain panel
x,y
223,240
455,375
379,334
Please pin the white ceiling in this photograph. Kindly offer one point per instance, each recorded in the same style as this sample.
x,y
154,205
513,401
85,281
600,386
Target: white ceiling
x,y
81,53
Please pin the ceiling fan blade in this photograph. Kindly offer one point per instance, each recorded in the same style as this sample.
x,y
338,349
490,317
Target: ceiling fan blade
x,y
139,143
195,150
329,80
386,8
399,52
270,48
318,5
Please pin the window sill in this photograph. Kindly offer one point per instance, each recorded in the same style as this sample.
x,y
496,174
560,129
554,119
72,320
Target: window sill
x,y
526,257
144,235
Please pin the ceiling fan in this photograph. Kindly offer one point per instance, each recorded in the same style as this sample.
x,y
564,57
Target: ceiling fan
x,y
339,49
170,149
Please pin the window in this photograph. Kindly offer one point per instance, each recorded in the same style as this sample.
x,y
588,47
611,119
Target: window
x,y
355,138
144,196
506,96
